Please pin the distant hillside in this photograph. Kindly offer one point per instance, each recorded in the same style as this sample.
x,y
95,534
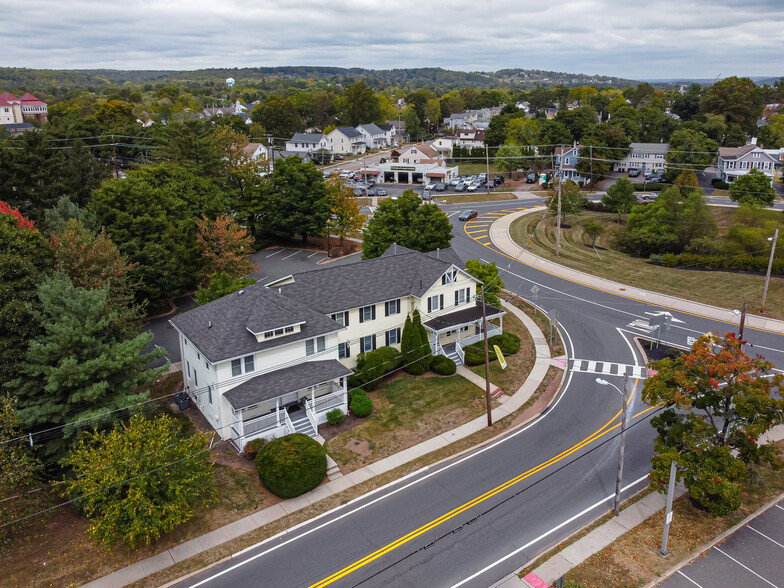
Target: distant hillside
x,y
435,78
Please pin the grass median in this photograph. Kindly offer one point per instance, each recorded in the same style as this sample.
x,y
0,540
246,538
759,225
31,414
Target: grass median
x,y
725,289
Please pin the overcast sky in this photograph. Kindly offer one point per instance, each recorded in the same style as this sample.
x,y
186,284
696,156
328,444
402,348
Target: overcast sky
x,y
644,39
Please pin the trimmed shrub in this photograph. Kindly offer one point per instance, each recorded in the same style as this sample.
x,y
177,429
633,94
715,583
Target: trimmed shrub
x,y
372,366
720,184
441,364
650,187
355,392
474,355
669,260
336,417
361,405
655,259
291,465
508,342
253,447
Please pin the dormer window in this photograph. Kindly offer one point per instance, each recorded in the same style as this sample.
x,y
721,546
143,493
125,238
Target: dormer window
x,y
449,277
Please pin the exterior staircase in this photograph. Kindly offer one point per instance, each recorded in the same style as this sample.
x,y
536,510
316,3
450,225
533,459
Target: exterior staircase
x,y
302,424
450,351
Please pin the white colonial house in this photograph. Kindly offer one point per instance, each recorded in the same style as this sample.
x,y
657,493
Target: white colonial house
x,y
566,162
645,157
274,359
346,141
444,145
390,135
733,162
307,143
375,136
420,153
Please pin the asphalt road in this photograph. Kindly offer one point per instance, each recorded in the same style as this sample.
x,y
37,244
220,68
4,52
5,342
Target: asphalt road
x,y
475,519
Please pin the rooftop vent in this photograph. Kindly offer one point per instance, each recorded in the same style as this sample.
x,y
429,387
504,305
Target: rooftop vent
x,y
241,292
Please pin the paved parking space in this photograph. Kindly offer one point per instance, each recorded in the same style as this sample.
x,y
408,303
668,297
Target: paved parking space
x,y
752,556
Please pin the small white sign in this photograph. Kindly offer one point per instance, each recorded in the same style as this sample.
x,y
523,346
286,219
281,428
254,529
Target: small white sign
x,y
669,517
690,341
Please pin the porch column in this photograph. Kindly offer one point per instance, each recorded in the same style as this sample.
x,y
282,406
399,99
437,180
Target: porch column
x,y
277,410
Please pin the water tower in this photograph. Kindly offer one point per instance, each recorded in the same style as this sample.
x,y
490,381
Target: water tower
x,y
230,82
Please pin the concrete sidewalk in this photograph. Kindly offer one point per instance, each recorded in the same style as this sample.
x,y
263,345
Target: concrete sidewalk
x,y
499,235
191,548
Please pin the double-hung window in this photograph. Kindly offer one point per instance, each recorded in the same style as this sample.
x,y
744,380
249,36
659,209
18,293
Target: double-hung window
x,y
367,343
393,337
344,350
435,302
237,366
462,296
341,318
367,313
315,345
392,307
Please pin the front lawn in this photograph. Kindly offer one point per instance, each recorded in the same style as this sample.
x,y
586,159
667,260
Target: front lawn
x,y
518,366
406,410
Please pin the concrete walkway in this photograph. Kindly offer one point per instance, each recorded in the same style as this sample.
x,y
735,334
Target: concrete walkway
x,y
499,235
245,525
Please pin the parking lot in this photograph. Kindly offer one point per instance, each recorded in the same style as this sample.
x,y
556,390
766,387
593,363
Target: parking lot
x,y
751,556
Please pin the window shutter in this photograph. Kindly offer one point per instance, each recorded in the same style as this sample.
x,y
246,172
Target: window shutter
x,y
374,342
373,312
441,300
386,309
345,316
457,299
430,305
361,316
468,295
348,348
386,335
443,279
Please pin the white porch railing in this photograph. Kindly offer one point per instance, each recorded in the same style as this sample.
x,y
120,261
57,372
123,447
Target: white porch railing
x,y
262,423
460,352
311,417
289,425
327,402
492,330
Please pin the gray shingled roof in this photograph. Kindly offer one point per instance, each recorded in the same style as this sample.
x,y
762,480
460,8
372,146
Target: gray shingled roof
x,y
350,132
460,317
393,275
277,383
372,129
736,152
660,148
220,329
306,138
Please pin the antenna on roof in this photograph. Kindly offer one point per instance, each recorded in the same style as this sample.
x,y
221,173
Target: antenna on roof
x,y
394,251
438,253
209,324
280,290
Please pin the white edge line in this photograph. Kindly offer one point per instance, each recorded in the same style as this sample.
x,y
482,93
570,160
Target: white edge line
x,y
764,535
370,503
550,532
271,254
292,255
689,579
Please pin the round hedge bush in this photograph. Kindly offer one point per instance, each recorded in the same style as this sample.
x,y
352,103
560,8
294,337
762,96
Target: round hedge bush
x,y
441,364
361,405
336,417
291,465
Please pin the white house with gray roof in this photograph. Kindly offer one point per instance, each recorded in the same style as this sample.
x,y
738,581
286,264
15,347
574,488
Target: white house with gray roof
x,y
645,157
733,162
346,141
306,143
274,359
375,137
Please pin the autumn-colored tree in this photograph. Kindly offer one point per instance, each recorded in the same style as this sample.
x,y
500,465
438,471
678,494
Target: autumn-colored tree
x,y
225,247
344,218
720,401
93,262
139,480
687,183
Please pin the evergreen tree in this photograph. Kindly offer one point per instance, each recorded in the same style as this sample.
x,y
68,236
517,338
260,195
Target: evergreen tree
x,y
620,197
297,200
192,144
75,374
409,343
421,355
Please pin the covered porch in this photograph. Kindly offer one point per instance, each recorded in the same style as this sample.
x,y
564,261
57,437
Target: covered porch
x,y
449,333
291,400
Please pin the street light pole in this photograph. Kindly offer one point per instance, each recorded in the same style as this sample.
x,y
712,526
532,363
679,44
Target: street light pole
x,y
770,265
624,394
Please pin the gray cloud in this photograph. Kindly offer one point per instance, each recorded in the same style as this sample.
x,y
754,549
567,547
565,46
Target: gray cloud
x,y
658,38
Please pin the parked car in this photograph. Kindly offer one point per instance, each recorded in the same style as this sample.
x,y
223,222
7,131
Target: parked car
x,y
531,178
338,157
440,187
634,172
499,180
472,187
430,186
460,186
455,182
467,215
381,192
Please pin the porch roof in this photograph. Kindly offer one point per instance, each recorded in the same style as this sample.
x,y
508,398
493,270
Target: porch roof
x,y
469,314
280,382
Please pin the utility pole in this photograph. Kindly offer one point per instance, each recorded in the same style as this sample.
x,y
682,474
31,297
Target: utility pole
x,y
625,395
487,361
558,222
487,161
770,265
668,510
742,322
590,151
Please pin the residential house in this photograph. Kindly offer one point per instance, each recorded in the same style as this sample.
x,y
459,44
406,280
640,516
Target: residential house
x,y
390,135
346,141
457,120
375,136
645,157
256,151
566,162
471,137
15,110
270,360
444,145
733,162
307,143
419,153
400,131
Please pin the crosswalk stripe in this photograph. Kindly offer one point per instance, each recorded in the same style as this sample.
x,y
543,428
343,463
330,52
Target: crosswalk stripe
x,y
608,368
